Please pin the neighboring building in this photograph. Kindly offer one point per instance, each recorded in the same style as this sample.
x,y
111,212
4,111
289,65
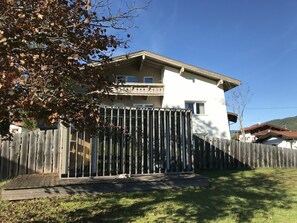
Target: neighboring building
x,y
253,131
20,126
16,127
149,80
271,135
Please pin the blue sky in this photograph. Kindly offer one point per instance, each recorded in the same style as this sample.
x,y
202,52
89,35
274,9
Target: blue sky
x,y
254,41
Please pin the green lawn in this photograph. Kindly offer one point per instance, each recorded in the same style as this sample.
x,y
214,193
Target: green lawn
x,y
263,195
2,183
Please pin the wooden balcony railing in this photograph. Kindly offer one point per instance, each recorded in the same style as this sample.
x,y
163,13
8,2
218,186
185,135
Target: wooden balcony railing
x,y
139,89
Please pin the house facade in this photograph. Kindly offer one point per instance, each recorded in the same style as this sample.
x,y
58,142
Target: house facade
x,y
146,79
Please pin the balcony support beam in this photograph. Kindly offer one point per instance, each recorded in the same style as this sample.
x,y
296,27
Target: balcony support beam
x,y
220,82
141,62
181,70
139,89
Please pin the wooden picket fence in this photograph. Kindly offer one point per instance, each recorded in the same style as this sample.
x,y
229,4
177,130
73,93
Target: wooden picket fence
x,y
216,153
30,152
135,141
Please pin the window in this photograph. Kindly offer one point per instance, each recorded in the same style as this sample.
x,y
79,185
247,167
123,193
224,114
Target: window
x,y
131,79
197,108
200,108
143,105
126,79
121,79
148,80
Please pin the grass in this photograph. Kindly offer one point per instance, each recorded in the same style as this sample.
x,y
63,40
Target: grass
x,y
262,195
2,182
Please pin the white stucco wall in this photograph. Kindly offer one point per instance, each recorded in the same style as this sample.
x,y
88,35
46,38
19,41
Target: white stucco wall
x,y
189,87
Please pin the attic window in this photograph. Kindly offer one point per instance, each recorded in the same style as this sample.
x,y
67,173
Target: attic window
x,y
148,80
131,79
197,108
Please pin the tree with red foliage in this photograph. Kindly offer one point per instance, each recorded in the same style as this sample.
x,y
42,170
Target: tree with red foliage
x,y
45,51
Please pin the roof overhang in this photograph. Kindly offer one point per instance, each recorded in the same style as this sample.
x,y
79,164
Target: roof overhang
x,y
141,56
286,135
232,117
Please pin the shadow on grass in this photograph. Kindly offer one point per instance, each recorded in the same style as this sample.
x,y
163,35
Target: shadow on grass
x,y
237,194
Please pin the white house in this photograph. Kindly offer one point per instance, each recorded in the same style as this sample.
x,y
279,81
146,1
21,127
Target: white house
x,y
15,128
281,139
146,79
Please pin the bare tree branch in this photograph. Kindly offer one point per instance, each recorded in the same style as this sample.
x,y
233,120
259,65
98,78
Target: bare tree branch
x,y
237,102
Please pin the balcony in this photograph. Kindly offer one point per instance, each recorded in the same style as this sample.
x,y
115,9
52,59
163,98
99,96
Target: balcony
x,y
139,89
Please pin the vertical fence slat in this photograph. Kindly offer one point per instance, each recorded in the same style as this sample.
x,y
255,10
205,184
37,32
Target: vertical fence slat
x,y
110,143
232,151
5,159
130,142
40,154
227,154
148,139
124,144
174,137
23,153
154,127
104,146
118,153
56,150
159,142
32,152
15,155
143,140
48,152
2,160
82,153
294,158
201,144
136,141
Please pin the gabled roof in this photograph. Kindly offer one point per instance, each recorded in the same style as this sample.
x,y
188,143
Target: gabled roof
x,y
273,133
262,127
228,82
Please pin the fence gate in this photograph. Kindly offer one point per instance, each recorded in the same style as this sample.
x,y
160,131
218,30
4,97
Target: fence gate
x,y
133,141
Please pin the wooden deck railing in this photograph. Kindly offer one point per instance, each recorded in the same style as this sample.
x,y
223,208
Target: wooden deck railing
x,y
139,89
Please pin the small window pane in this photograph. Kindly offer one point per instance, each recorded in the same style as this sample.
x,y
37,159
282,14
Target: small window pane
x,y
190,106
131,79
148,80
200,108
143,105
137,105
148,106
